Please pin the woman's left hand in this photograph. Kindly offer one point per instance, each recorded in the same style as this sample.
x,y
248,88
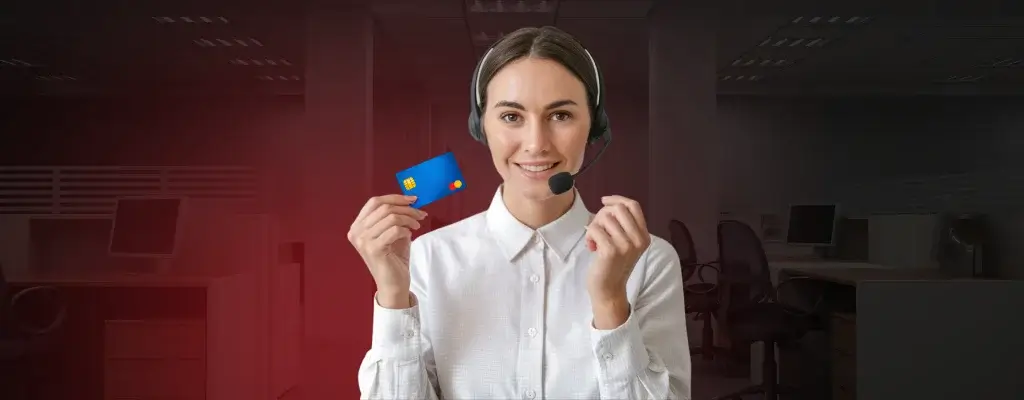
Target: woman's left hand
x,y
618,234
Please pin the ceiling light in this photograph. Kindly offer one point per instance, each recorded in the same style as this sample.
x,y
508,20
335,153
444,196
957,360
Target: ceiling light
x,y
818,42
14,62
761,62
793,42
293,78
833,20
962,78
274,62
510,6
54,78
227,43
191,20
1005,62
741,78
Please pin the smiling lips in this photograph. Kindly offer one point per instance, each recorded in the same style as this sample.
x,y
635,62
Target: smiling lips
x,y
537,170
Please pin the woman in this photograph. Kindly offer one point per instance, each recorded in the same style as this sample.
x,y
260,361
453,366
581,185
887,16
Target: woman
x,y
534,298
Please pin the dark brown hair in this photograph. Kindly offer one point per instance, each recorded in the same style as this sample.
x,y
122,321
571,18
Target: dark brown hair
x,y
545,42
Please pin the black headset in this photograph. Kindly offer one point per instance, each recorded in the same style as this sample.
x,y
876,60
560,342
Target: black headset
x,y
599,127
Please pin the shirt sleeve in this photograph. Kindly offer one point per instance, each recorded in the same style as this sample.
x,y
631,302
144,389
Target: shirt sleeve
x,y
648,356
400,362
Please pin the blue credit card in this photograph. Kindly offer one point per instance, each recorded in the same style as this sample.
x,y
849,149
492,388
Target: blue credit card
x,y
432,180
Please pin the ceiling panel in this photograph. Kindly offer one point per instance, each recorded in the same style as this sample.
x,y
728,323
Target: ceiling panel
x,y
419,9
120,45
604,9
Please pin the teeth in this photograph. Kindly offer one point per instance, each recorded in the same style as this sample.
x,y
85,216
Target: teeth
x,y
536,168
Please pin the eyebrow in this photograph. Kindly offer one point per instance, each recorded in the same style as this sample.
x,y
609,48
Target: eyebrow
x,y
554,104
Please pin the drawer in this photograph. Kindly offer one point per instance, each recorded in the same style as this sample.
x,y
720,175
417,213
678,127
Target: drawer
x,y
844,367
844,333
154,379
154,339
841,392
844,375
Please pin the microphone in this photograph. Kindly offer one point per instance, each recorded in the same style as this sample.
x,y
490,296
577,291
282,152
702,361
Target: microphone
x,y
563,181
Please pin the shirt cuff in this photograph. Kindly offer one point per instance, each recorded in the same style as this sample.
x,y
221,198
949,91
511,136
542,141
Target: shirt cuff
x,y
396,332
621,354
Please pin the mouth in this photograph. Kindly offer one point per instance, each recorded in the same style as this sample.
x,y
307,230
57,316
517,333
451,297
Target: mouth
x,y
538,171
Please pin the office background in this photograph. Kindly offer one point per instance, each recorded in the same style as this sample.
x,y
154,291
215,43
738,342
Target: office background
x,y
883,114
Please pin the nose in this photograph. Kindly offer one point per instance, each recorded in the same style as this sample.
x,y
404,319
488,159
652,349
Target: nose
x,y
536,138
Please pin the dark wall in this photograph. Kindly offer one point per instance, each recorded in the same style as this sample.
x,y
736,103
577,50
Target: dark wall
x,y
149,131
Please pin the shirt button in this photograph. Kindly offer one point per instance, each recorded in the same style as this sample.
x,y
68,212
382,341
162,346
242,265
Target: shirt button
x,y
409,333
532,332
531,394
534,278
607,356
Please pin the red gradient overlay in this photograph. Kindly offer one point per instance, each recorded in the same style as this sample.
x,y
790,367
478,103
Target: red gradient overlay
x,y
364,115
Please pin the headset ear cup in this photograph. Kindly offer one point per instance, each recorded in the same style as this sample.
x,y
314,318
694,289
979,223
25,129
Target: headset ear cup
x,y
600,127
474,128
472,124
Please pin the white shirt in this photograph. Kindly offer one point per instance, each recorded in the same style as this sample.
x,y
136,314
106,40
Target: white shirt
x,y
502,312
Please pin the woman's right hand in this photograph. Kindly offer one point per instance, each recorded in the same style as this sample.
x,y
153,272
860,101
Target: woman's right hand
x,y
382,233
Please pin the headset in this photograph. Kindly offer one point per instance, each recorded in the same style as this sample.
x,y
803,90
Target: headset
x,y
599,127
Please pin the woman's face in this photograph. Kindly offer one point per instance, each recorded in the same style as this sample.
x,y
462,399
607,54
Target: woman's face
x,y
537,121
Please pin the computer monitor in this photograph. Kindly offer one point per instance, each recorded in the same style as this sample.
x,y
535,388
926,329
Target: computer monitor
x,y
812,224
146,227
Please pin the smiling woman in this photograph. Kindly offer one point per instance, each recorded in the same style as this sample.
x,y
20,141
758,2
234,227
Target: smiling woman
x,y
536,297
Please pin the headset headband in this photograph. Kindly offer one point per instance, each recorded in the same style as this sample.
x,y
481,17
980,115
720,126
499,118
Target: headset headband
x,y
480,70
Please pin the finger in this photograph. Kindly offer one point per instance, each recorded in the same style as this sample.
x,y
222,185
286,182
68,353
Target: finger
x,y
389,221
387,209
632,205
628,224
391,199
390,236
616,234
599,237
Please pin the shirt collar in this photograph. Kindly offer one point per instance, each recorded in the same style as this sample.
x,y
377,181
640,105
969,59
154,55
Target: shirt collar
x,y
561,235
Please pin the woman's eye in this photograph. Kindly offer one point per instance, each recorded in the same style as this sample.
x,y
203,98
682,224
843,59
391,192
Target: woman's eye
x,y
561,116
510,118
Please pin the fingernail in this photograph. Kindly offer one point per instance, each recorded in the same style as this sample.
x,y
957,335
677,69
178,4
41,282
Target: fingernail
x,y
410,198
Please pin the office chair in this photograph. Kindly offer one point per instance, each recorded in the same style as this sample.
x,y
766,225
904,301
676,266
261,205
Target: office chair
x,y
28,319
752,310
702,299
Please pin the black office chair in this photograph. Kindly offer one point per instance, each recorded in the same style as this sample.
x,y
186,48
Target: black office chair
x,y
702,298
752,310
29,318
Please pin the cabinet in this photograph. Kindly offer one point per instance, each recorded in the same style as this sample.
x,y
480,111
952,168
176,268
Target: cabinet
x,y
844,356
154,359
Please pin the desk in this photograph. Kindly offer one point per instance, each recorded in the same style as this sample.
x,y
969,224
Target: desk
x,y
913,333
853,273
139,336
